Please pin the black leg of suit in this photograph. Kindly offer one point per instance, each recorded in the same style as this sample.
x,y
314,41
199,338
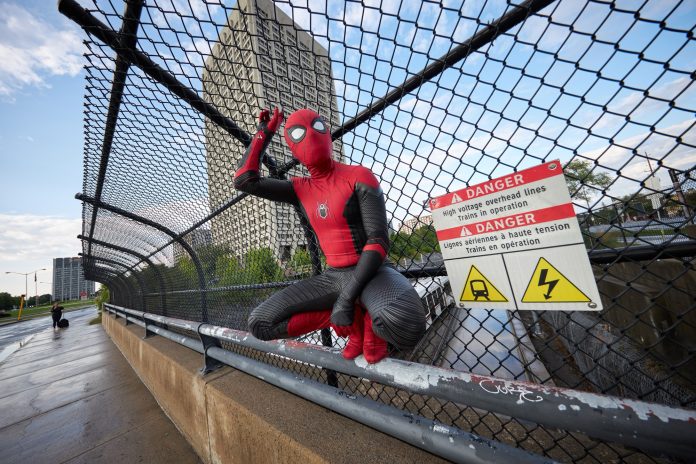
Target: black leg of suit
x,y
395,308
269,320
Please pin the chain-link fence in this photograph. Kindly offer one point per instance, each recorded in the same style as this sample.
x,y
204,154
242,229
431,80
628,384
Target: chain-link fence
x,y
431,96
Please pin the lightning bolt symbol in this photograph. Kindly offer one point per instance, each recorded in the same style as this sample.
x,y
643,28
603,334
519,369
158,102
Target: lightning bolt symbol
x,y
550,283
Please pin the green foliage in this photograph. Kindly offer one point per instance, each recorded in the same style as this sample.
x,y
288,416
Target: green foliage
x,y
102,297
183,274
261,266
584,181
8,301
426,239
43,299
422,241
228,271
301,262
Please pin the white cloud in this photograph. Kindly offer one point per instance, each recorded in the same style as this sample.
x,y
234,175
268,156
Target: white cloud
x,y
634,168
32,50
29,242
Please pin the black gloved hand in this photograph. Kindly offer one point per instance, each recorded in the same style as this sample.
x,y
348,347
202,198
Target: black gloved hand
x,y
343,311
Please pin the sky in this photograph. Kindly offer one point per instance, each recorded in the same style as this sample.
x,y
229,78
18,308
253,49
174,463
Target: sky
x,y
41,142
454,122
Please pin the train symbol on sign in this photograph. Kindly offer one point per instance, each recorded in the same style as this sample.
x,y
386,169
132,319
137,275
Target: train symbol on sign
x,y
479,289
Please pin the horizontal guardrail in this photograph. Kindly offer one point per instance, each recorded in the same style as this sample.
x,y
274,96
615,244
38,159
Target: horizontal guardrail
x,y
449,442
647,426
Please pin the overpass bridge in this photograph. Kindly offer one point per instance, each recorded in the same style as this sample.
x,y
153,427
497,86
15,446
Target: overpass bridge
x,y
431,96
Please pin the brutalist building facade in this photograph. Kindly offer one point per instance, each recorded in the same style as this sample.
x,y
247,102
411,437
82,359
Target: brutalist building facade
x,y
69,280
262,60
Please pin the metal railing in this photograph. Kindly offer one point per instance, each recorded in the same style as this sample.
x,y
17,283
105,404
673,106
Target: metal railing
x,y
652,427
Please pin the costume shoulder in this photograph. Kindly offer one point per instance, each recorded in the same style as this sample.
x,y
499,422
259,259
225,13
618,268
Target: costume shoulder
x,y
300,183
363,175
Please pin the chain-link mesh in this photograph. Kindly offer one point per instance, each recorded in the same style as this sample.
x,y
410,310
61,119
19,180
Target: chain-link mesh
x,y
605,87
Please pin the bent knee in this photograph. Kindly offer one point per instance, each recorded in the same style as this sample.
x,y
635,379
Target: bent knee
x,y
260,328
402,332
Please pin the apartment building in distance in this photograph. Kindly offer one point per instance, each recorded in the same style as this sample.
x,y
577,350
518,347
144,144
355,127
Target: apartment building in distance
x,y
69,280
412,224
262,60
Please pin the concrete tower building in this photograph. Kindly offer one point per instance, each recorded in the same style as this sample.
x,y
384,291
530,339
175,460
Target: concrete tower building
x,y
262,60
69,280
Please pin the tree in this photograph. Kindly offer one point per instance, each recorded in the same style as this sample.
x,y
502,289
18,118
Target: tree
x,y
301,262
425,239
228,271
583,182
401,247
102,296
261,266
43,299
7,301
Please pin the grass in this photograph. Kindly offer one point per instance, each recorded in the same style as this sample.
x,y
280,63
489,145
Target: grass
x,y
96,320
46,309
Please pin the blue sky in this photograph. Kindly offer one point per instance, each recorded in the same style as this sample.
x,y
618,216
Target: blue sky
x,y
41,88
456,127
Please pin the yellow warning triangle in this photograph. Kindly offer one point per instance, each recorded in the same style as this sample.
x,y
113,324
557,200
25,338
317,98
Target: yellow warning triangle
x,y
478,288
548,285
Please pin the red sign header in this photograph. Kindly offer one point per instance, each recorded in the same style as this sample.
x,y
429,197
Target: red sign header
x,y
516,179
514,221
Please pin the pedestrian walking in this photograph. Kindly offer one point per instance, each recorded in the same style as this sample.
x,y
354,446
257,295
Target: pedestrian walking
x,y
56,313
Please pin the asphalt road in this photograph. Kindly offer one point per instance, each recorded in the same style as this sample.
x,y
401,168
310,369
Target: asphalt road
x,y
12,335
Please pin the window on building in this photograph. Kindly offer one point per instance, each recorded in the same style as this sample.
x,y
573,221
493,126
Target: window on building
x,y
283,85
265,63
279,69
295,74
296,88
293,55
308,78
310,94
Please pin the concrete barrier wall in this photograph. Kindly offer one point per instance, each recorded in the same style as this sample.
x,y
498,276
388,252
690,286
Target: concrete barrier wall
x,y
231,417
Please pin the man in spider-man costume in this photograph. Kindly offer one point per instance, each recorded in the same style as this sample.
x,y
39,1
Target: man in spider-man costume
x,y
358,295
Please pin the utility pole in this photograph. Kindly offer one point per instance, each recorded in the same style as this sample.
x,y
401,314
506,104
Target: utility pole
x,y
680,194
26,284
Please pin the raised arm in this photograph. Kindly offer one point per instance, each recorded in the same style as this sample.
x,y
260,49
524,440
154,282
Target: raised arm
x,y
247,178
374,218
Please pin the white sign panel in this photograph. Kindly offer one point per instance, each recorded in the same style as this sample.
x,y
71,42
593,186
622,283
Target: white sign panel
x,y
515,243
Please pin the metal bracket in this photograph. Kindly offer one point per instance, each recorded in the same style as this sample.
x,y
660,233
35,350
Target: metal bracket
x,y
128,322
148,333
210,364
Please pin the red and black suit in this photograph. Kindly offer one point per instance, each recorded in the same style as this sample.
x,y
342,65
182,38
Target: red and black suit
x,y
345,206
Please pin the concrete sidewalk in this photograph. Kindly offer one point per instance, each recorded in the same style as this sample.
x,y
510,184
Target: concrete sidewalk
x,y
70,397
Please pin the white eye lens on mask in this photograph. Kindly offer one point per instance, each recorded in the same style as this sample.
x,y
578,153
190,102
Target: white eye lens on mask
x,y
296,133
318,125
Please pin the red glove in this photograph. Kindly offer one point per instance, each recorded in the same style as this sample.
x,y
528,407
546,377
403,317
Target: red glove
x,y
270,123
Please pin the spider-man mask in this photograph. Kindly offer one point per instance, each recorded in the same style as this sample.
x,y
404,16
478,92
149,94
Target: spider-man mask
x,y
309,140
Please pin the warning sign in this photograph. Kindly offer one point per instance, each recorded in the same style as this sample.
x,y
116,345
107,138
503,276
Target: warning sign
x,y
479,288
517,225
548,285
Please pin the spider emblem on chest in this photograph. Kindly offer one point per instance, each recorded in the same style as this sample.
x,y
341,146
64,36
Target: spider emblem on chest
x,y
322,210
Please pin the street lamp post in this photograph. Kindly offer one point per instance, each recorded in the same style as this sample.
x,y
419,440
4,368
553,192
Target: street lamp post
x,y
26,285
